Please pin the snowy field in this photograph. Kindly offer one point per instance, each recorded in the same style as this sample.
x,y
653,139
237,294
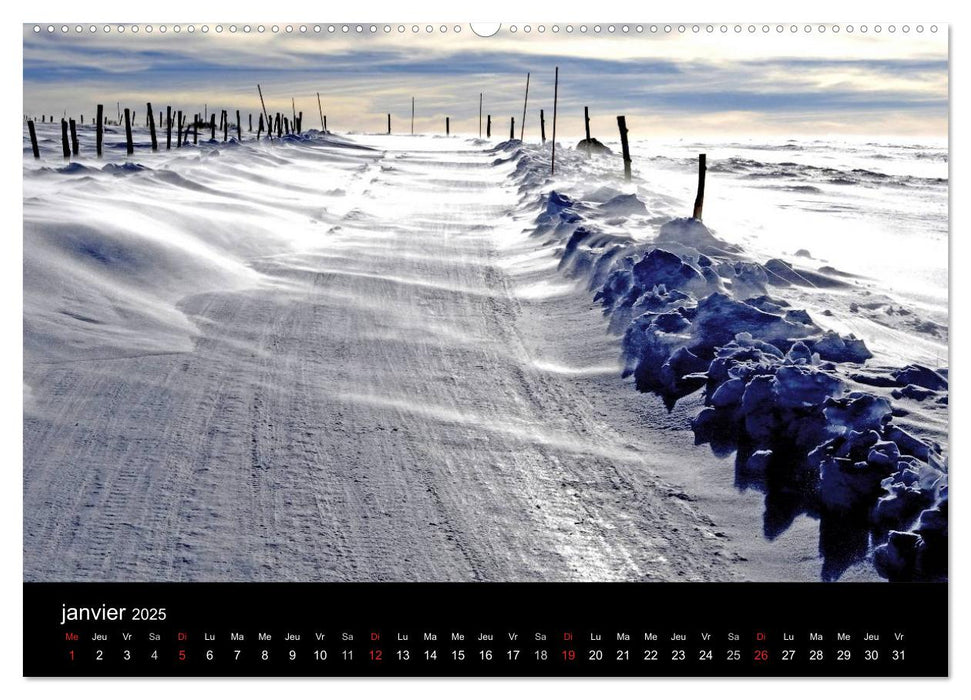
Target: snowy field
x,y
371,358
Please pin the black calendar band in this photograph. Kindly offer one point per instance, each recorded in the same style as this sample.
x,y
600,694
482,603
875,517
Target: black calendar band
x,y
485,629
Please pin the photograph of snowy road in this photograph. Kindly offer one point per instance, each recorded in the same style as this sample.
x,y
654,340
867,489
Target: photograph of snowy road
x,y
344,354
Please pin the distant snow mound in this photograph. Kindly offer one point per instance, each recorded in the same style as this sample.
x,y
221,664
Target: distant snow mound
x,y
624,204
693,234
592,145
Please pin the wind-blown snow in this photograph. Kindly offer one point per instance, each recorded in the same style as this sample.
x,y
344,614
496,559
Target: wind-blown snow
x,y
333,359
782,392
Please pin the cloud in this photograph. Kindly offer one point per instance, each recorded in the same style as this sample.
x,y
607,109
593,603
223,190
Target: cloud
x,y
798,84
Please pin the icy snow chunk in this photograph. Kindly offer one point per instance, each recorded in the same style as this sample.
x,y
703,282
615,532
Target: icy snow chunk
x,y
661,267
858,412
920,376
835,348
800,386
719,318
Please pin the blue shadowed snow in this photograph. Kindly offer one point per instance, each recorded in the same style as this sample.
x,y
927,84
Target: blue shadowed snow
x,y
780,392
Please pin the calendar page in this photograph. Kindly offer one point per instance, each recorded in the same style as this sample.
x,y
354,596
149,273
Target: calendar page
x,y
520,349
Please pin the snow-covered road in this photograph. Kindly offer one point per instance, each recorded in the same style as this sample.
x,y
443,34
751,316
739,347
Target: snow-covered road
x,y
402,391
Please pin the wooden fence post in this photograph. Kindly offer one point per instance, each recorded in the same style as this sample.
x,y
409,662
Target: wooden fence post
x,y
66,147
195,131
325,122
168,127
321,110
74,137
259,128
542,126
586,123
239,127
522,127
622,125
286,125
300,122
151,127
279,125
33,138
128,141
447,130
265,113
178,129
212,127
100,129
556,91
512,128
389,125
489,126
225,126
251,122
700,199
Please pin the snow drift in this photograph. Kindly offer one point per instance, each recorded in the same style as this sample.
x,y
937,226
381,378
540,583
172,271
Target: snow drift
x,y
787,396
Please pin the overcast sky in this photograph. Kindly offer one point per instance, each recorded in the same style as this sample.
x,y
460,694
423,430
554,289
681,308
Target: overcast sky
x,y
779,85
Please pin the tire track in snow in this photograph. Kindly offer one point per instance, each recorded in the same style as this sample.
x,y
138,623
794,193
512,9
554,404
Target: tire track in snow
x,y
375,413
